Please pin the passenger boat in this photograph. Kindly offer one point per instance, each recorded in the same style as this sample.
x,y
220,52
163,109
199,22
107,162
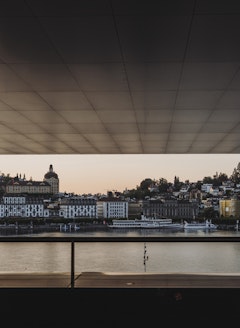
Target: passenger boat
x,y
206,225
144,223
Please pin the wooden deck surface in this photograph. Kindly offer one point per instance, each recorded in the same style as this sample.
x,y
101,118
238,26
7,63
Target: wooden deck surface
x,y
119,280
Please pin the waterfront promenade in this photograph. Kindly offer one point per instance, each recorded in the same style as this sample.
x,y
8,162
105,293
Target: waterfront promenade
x,y
109,280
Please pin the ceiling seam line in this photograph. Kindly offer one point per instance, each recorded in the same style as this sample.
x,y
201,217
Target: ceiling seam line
x,y
181,71
125,71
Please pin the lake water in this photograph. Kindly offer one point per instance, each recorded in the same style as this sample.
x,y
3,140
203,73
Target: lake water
x,y
139,257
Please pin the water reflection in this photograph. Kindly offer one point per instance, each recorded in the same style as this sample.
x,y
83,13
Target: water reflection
x,y
126,257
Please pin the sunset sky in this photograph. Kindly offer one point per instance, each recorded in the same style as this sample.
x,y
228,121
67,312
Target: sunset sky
x,y
100,173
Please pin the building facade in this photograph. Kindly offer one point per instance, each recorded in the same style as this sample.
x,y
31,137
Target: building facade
x,y
78,207
12,206
170,208
114,209
16,186
229,208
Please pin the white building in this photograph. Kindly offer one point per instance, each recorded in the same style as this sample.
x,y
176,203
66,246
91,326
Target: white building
x,y
22,206
78,207
206,187
114,209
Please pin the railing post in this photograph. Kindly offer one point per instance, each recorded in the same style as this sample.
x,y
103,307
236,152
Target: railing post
x,y
72,264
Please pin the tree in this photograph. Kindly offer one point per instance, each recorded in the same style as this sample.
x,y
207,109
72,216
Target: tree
x,y
146,183
210,213
235,177
219,179
163,185
207,180
177,183
222,177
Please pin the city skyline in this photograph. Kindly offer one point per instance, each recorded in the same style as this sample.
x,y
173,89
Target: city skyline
x,y
93,174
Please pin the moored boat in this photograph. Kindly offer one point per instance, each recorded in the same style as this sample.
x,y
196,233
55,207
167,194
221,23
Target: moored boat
x,y
206,225
145,223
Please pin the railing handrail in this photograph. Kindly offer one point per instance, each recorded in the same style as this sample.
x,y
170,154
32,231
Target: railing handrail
x,y
120,239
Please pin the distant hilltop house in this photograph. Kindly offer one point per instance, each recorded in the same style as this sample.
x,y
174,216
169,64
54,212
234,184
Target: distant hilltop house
x,y
49,185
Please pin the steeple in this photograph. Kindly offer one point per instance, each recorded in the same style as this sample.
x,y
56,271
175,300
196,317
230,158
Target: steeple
x,y
52,178
50,173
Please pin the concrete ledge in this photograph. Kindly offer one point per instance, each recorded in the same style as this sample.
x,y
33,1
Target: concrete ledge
x,y
35,280
119,280
148,280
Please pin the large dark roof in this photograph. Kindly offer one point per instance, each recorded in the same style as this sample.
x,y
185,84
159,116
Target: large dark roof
x,y
50,174
119,77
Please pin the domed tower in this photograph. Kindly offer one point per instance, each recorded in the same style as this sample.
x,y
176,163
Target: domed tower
x,y
52,178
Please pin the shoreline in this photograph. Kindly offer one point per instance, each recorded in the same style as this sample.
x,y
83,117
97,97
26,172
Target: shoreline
x,y
27,229
12,229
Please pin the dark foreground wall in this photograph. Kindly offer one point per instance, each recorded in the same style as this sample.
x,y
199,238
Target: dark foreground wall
x,y
119,307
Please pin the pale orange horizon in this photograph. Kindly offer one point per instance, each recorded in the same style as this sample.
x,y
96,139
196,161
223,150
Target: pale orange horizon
x,y
82,174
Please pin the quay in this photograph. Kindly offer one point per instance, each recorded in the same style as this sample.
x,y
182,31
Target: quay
x,y
110,280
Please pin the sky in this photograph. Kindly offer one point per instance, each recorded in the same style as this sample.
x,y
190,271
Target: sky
x,y
84,174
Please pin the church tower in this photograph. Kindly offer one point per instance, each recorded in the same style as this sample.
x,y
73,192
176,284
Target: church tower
x,y
52,178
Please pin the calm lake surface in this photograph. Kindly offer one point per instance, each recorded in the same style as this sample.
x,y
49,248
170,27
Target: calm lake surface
x,y
167,257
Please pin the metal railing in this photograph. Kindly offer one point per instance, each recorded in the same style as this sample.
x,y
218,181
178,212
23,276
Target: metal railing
x,y
73,240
